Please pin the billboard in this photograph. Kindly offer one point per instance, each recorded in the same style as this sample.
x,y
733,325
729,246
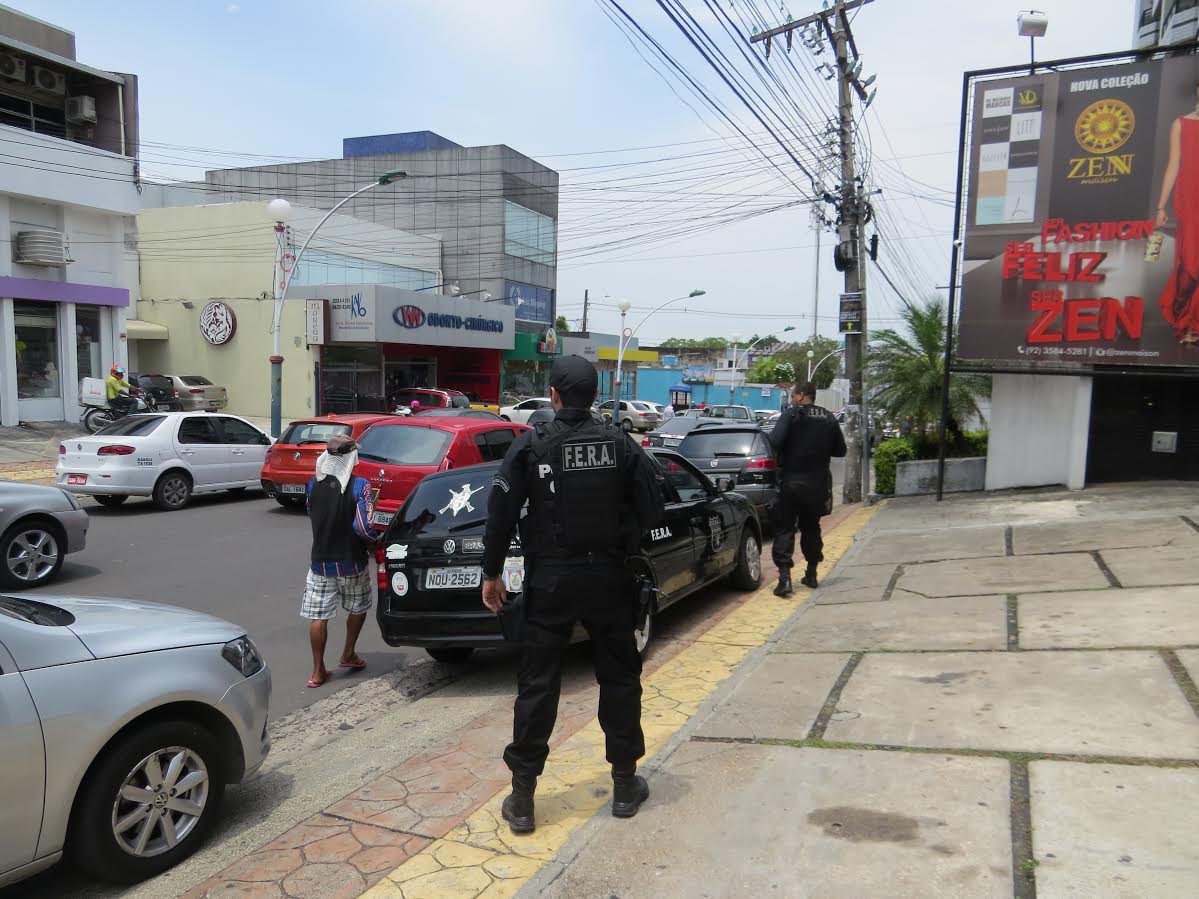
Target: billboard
x,y
1082,217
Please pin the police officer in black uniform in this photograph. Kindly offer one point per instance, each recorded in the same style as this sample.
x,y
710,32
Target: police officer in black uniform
x,y
591,492
805,438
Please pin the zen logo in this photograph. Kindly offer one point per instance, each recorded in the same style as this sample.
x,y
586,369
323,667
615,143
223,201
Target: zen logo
x,y
589,456
660,533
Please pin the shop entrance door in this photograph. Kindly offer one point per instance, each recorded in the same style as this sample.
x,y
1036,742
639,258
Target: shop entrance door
x,y
1126,414
405,374
38,334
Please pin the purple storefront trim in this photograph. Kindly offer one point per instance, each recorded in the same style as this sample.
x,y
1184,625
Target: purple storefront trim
x,y
63,292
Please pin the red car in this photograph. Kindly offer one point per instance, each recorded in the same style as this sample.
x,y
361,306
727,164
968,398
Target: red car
x,y
395,454
431,397
292,460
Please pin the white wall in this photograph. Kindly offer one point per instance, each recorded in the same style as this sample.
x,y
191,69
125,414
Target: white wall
x,y
63,171
1039,427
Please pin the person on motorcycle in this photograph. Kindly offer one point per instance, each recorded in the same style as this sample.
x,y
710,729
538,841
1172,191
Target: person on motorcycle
x,y
120,391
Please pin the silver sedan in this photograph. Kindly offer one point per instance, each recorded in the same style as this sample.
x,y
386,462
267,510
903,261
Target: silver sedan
x,y
121,722
39,525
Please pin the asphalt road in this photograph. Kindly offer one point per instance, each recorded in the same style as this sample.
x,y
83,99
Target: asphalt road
x,y
239,557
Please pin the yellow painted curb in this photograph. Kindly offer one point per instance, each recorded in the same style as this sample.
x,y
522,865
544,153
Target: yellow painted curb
x,y
482,859
37,474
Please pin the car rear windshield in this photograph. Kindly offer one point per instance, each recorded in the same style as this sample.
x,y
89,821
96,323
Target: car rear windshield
x,y
132,426
716,442
313,432
678,426
440,506
404,445
195,380
154,382
728,412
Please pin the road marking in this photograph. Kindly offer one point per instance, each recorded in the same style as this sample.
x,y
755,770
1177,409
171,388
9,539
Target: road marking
x,y
481,859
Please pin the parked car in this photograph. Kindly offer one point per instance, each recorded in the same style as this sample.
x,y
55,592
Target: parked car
x,y
429,398
725,410
161,387
197,393
477,402
739,451
455,412
632,415
168,457
761,416
121,722
430,578
289,464
670,433
40,526
520,412
394,455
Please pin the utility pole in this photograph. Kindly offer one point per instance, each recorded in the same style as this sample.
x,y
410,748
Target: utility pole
x,y
833,24
586,300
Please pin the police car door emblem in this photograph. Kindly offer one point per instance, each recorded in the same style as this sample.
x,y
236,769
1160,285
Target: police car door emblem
x,y
449,546
716,531
714,463
397,551
459,500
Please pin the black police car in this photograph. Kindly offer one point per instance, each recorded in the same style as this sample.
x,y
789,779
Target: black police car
x,y
430,573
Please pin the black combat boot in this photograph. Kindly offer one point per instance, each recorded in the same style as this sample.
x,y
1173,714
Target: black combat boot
x,y
518,806
784,586
809,578
629,790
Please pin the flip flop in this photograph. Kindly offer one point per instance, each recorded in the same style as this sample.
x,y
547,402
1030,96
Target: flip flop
x,y
357,665
314,683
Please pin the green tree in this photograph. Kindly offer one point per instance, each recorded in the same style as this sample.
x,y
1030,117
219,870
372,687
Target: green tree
x,y
692,343
561,325
905,370
796,357
772,371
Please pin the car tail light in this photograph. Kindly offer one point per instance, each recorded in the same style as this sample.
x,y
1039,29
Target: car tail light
x,y
115,449
195,391
62,450
761,463
381,559
645,441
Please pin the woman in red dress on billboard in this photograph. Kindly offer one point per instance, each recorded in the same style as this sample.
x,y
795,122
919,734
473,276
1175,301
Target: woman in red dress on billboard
x,y
1180,299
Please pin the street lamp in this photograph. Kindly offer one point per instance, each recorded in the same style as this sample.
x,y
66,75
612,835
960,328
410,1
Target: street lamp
x,y
736,340
812,369
626,336
1032,24
280,210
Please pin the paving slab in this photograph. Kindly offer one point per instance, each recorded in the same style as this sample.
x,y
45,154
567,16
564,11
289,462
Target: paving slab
x,y
905,623
750,820
931,545
1177,563
1114,830
1190,661
1070,536
779,699
858,577
1139,616
1008,574
1088,702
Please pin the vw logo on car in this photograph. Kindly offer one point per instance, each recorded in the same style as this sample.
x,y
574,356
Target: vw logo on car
x,y
449,546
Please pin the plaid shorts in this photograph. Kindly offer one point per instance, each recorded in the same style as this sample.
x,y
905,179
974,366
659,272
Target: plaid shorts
x,y
321,594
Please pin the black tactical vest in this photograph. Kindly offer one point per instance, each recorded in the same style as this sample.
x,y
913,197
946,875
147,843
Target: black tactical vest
x,y
576,493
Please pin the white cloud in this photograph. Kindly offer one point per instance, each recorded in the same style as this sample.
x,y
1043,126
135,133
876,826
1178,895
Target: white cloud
x,y
233,9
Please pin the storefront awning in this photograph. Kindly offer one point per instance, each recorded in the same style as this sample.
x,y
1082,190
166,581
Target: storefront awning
x,y
680,388
609,353
136,329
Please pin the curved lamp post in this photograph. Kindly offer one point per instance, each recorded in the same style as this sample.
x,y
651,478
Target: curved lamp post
x,y
280,211
625,338
744,353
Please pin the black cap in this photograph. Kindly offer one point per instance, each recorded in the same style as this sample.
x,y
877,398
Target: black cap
x,y
574,375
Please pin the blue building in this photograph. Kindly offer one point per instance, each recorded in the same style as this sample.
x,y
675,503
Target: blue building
x,y
665,385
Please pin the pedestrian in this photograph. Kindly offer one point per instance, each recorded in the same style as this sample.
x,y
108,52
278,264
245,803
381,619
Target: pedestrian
x,y
339,510
805,437
668,412
591,493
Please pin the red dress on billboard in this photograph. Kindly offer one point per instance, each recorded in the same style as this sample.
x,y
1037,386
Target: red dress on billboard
x,y
1180,299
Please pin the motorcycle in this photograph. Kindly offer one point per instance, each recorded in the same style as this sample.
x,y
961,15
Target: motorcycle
x,y
97,417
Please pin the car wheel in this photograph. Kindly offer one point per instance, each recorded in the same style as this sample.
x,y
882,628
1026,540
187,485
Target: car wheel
x,y
111,500
748,573
454,656
172,491
626,425
33,554
289,502
644,631
148,802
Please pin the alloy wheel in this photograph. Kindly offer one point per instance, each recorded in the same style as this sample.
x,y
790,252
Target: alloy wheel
x,y
753,557
160,802
174,491
32,555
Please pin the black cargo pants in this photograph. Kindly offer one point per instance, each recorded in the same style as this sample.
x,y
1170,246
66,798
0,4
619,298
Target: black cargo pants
x,y
800,505
603,597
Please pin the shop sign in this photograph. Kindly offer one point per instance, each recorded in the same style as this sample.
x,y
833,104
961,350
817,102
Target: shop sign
x,y
1082,220
352,317
549,346
218,323
314,322
532,304
580,346
411,317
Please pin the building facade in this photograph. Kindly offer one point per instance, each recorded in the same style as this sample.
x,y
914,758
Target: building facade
x,y
68,194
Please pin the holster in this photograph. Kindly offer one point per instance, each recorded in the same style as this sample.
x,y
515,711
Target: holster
x,y
514,617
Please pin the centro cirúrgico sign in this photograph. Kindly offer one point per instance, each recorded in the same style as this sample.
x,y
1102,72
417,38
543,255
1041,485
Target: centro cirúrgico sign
x,y
218,323
412,317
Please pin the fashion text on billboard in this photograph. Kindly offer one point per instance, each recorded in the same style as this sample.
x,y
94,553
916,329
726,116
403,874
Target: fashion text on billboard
x,y
1082,217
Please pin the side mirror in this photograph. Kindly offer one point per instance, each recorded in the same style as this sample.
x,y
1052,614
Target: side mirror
x,y
724,484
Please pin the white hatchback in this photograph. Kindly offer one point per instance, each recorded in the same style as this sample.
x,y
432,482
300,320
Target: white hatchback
x,y
167,457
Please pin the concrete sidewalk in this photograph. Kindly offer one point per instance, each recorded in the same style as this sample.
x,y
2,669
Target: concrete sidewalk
x,y
990,696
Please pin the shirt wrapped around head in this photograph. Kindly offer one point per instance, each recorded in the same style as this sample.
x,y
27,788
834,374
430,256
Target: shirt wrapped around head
x,y
338,460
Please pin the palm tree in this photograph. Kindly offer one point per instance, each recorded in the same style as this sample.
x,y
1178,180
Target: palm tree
x,y
906,370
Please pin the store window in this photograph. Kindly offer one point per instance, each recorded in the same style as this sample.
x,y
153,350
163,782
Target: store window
x,y
87,342
38,369
528,234
333,268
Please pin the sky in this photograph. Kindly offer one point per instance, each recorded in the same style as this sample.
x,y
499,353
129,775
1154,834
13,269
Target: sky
x,y
657,190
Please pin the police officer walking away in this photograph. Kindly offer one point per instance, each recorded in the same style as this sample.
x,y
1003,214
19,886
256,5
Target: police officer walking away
x,y
805,438
591,492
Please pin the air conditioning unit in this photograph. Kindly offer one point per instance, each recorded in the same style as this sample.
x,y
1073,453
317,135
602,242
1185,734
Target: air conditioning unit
x,y
48,80
12,68
81,110
41,247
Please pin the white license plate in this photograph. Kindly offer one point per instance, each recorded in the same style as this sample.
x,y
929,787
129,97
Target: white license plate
x,y
76,479
382,517
672,441
462,578
291,488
